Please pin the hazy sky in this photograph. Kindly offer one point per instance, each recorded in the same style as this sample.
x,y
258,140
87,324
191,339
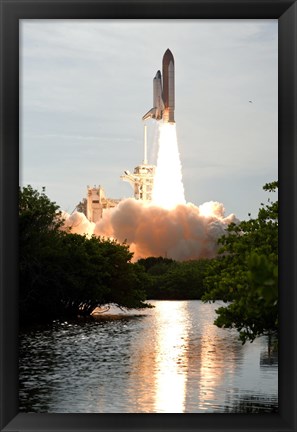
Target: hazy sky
x,y
85,84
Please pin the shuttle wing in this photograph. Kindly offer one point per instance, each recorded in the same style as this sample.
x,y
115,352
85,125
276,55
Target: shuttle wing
x,y
150,114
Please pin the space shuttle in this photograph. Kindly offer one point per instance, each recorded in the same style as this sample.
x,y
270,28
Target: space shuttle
x,y
163,92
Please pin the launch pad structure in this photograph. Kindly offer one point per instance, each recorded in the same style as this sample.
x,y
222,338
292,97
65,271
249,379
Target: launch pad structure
x,y
96,202
142,179
142,182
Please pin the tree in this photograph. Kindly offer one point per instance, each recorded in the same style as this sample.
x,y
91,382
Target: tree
x,y
39,222
172,280
82,206
64,274
246,274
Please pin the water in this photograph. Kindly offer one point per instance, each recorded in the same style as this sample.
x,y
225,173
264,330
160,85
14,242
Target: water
x,y
170,359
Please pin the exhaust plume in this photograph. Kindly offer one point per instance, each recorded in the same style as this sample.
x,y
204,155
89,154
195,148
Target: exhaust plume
x,y
182,233
168,186
167,226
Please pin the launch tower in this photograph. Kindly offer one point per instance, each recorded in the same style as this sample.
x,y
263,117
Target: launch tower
x,y
142,179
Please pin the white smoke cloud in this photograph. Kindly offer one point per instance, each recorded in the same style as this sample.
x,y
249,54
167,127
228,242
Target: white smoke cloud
x,y
168,226
182,233
77,223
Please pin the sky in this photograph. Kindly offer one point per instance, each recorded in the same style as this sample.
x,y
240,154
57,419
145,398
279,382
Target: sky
x,y
85,85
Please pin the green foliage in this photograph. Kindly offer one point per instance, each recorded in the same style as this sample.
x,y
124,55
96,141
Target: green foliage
x,y
246,274
151,264
37,212
172,280
64,274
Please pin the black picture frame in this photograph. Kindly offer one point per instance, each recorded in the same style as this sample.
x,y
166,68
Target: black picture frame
x,y
286,13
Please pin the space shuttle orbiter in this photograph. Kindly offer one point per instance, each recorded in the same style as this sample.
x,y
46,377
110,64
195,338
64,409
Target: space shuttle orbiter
x,y
163,93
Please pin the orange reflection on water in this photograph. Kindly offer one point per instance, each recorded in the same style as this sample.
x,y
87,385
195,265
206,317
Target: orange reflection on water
x,y
186,363
171,359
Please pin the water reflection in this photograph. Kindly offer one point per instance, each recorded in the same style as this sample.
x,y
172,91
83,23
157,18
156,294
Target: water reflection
x,y
170,359
159,358
251,404
212,368
214,357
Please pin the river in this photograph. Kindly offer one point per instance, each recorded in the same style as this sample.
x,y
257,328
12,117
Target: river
x,y
169,359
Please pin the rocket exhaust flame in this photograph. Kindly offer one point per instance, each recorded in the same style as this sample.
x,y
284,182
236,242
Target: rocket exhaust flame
x,y
168,189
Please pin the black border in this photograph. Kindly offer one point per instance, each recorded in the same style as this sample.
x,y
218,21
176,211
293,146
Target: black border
x,y
283,10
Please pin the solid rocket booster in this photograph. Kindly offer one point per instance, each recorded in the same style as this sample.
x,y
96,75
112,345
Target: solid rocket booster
x,y
163,93
168,86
